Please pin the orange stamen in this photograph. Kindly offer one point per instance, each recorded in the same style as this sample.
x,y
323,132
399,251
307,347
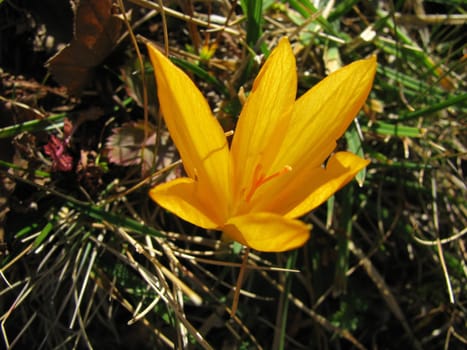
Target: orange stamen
x,y
260,179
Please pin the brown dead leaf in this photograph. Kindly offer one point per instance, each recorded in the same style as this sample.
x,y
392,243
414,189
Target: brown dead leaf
x,y
96,33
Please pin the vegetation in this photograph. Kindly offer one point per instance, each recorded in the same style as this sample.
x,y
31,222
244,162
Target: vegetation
x,y
89,261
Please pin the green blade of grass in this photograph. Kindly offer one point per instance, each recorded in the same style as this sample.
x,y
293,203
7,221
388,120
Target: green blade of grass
x,y
451,101
201,73
282,313
354,145
412,86
343,236
403,164
253,10
99,213
49,123
38,173
43,234
27,230
399,130
306,9
341,9
405,48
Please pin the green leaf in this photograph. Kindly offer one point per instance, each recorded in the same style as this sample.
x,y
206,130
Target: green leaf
x,y
448,102
341,8
354,145
49,123
43,234
254,18
101,214
201,73
399,130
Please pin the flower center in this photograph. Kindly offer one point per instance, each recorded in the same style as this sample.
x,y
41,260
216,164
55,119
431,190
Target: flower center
x,y
259,179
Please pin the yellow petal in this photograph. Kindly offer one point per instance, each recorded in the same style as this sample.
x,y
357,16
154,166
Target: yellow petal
x,y
183,198
267,232
265,115
322,114
314,186
196,133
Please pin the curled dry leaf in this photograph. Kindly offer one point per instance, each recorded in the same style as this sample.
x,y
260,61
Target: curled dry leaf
x,y
96,33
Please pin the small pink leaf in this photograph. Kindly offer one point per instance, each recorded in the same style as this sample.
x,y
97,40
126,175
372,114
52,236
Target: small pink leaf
x,y
57,150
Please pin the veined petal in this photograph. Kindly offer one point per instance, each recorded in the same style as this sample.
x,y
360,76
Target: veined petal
x,y
267,232
312,187
265,115
196,133
322,114
183,198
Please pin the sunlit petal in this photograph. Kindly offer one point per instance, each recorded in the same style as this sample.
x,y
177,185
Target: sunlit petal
x,y
265,115
267,232
196,133
274,171
183,198
323,114
315,185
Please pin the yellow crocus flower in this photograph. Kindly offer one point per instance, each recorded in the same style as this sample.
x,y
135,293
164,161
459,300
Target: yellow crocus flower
x,y
274,171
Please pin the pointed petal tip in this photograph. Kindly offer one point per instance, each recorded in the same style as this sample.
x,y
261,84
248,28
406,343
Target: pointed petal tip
x,y
373,61
365,65
196,133
368,66
284,41
155,54
265,115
